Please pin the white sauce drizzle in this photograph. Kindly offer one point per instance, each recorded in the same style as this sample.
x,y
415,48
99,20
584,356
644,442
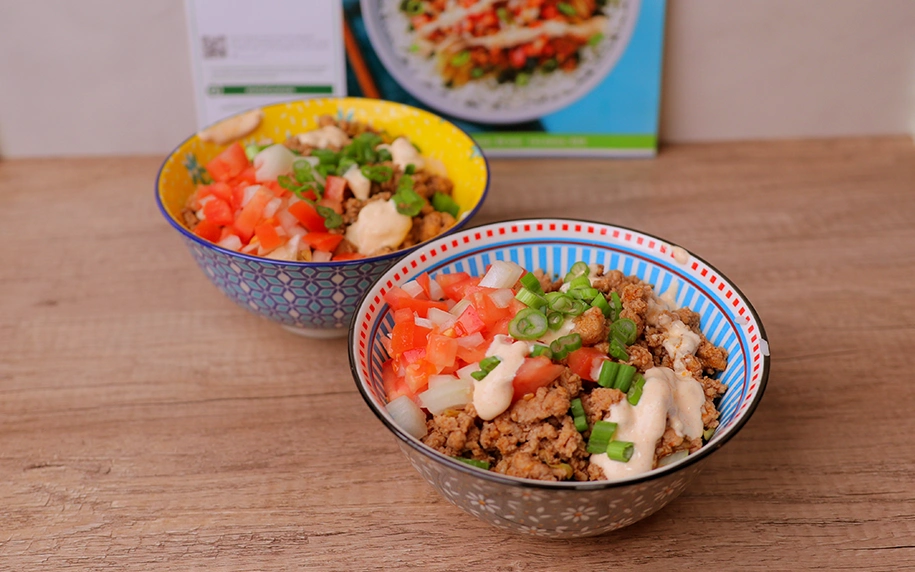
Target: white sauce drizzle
x,y
379,225
358,183
493,394
515,35
327,136
403,153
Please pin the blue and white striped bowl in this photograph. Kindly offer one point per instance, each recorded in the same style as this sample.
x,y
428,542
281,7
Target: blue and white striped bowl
x,y
569,509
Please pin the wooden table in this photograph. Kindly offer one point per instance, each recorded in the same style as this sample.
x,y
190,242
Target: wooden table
x,y
146,422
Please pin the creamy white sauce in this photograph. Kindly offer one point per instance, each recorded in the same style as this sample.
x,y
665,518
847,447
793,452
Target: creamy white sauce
x,y
358,183
665,396
515,35
453,14
679,341
327,136
493,394
403,153
379,225
551,335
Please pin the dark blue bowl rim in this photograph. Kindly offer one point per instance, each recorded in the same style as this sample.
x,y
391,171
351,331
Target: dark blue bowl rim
x,y
461,223
498,478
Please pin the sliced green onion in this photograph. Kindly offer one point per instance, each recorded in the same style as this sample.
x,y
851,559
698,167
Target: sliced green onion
x,y
541,350
408,202
624,377
377,173
600,302
566,9
635,392
479,374
477,72
601,435
624,330
559,301
344,165
709,433
578,415
409,169
503,14
616,306
301,169
618,350
384,156
578,308
554,320
326,170
326,156
331,218
550,65
595,39
530,299
473,463
522,78
461,59
530,282
563,346
608,372
528,324
443,203
579,282
490,363
578,269
412,7
252,149
620,450
586,294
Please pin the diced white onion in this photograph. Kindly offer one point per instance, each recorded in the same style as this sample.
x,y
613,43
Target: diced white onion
x,y
502,274
441,318
250,191
272,162
272,207
502,297
320,256
471,341
230,242
460,307
435,290
408,416
464,372
439,379
287,221
412,288
423,322
445,395
672,458
250,248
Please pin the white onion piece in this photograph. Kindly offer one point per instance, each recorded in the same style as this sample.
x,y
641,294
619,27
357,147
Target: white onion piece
x,y
408,416
672,458
445,395
230,242
464,372
439,379
502,274
272,207
460,307
502,297
272,162
320,256
287,221
435,290
412,288
250,191
250,248
441,318
423,322
471,341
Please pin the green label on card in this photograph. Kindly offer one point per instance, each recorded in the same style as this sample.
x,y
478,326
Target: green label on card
x,y
534,140
267,89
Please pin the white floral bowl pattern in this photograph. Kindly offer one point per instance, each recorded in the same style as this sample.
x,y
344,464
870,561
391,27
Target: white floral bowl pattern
x,y
569,509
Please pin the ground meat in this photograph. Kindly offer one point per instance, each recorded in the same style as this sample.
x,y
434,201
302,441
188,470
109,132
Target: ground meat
x,y
597,403
670,442
635,304
640,357
546,402
546,282
189,218
570,381
352,206
526,466
455,434
612,281
711,356
689,318
591,326
432,225
345,247
293,144
427,184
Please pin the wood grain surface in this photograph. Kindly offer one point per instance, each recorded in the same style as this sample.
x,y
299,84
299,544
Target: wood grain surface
x,y
147,423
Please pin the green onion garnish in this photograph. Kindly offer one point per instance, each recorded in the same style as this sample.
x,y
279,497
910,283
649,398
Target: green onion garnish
x,y
252,149
409,169
624,377
595,39
600,302
616,306
566,9
528,324
490,363
578,415
503,14
326,170
541,350
530,299
624,330
473,463
709,433
522,78
408,202
608,371
554,320
578,269
479,374
601,435
578,308
331,218
377,173
620,450
344,165
461,59
443,203
586,294
477,72
579,282
618,350
563,346
384,156
326,156
559,301
301,169
530,282
635,392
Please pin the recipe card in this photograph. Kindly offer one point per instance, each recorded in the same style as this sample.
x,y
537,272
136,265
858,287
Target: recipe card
x,y
250,53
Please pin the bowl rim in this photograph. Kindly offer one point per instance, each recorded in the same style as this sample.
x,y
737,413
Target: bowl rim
x,y
458,225
500,479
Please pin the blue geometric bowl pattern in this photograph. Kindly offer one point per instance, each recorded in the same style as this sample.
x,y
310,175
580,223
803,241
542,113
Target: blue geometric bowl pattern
x,y
570,509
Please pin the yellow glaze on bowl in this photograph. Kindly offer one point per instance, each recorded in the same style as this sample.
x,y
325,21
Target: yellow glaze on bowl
x,y
436,137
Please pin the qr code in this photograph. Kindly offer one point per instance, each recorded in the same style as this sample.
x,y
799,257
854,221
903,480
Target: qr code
x,y
214,47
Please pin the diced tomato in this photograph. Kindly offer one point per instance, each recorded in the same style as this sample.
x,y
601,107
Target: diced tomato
x,y
403,315
218,190
584,360
417,375
218,212
402,339
275,188
441,351
548,12
336,206
472,355
462,289
251,214
487,309
394,385
308,216
230,163
500,327
448,281
420,336
238,195
348,256
334,188
423,280
414,355
268,237
322,240
397,298
246,177
469,321
517,57
535,373
208,230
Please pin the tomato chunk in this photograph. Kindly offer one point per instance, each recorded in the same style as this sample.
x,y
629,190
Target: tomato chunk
x,y
208,230
308,216
334,188
584,361
268,237
322,240
397,298
218,212
230,163
533,374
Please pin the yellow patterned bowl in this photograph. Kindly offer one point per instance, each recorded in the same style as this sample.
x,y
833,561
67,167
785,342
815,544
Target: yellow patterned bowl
x,y
316,299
